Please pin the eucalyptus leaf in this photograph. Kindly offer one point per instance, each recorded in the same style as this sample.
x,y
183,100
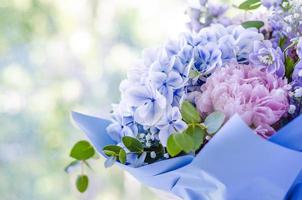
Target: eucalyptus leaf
x,y
250,5
214,121
82,150
184,141
252,24
133,144
198,134
122,156
189,113
82,183
112,150
109,161
172,147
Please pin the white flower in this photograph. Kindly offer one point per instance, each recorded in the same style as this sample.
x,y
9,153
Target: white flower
x,y
298,92
292,109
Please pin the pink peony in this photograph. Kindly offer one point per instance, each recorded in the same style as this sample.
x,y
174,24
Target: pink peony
x,y
260,98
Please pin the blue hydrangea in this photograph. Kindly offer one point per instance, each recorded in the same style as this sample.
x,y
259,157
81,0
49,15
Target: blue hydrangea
x,y
123,124
166,83
207,58
149,104
170,123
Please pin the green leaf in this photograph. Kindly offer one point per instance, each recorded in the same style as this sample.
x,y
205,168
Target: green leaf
x,y
172,147
82,183
82,150
189,113
250,5
289,66
133,144
214,121
282,42
71,165
252,24
122,156
198,134
112,150
184,141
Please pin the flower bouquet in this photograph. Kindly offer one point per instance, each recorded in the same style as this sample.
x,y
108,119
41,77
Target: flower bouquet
x,y
214,114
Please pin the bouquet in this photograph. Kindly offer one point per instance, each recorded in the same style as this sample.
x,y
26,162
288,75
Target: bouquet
x,y
214,114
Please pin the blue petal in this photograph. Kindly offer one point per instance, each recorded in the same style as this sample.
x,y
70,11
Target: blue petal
x,y
137,96
174,79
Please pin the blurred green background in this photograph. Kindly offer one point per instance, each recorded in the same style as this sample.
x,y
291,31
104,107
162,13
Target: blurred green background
x,y
63,55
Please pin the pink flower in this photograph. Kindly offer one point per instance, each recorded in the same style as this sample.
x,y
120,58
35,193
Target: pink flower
x,y
260,98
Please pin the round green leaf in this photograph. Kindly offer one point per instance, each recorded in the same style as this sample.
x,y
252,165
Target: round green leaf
x,y
214,121
189,113
133,144
184,141
112,150
172,148
82,183
122,156
198,134
82,150
250,5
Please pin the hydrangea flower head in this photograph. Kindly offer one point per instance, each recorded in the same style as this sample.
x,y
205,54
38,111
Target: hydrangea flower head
x,y
260,98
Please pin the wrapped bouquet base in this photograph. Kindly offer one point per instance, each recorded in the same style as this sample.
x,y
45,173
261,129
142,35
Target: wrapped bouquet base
x,y
236,164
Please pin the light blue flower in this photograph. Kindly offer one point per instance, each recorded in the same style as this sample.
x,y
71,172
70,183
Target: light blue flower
x,y
264,55
299,48
185,54
122,126
178,95
149,104
271,3
243,38
174,46
162,64
166,83
182,69
227,45
169,124
297,74
207,58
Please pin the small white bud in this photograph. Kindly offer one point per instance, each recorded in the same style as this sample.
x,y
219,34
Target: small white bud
x,y
166,155
148,137
208,137
148,144
292,109
298,93
141,135
300,73
153,154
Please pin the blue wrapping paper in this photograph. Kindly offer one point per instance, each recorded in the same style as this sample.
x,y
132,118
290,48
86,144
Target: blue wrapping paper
x,y
236,164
